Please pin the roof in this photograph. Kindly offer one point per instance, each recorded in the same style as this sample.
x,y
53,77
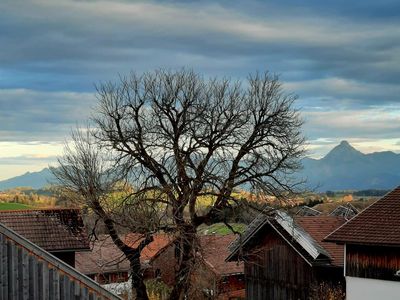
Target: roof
x,y
51,229
307,211
304,233
51,275
318,227
300,235
378,224
159,243
214,250
348,211
250,231
106,257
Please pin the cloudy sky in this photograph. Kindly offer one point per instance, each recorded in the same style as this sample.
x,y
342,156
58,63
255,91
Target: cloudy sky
x,y
341,57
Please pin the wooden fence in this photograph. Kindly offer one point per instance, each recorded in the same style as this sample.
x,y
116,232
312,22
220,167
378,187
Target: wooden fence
x,y
29,272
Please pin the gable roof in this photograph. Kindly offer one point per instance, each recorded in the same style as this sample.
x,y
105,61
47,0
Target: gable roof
x,y
303,233
214,250
50,229
258,223
347,211
378,224
318,227
307,211
159,243
32,272
106,257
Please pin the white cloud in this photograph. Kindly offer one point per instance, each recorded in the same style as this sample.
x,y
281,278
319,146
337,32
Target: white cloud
x,y
18,158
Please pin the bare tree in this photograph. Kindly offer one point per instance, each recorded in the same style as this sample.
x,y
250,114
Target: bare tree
x,y
177,136
87,174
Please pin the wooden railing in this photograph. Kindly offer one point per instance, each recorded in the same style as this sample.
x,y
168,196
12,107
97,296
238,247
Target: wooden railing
x,y
29,272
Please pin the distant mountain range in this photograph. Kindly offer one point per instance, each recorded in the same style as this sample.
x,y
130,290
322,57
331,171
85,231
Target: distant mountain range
x,y
346,168
34,180
343,168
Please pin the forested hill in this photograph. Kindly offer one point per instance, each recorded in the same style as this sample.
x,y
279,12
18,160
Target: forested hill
x,y
346,168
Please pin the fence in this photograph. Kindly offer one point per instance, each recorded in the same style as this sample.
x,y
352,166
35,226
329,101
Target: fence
x,y
29,272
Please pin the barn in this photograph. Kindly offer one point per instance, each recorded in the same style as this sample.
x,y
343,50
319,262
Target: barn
x,y
285,257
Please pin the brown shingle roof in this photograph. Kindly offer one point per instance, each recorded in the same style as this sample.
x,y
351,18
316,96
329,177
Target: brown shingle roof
x,y
50,229
106,257
215,250
318,227
378,224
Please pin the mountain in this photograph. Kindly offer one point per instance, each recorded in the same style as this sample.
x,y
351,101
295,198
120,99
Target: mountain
x,y
343,168
35,180
346,168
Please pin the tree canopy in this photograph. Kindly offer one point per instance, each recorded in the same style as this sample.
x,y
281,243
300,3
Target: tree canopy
x,y
176,136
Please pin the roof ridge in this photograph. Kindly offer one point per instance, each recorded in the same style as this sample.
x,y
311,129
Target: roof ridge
x,y
361,213
302,236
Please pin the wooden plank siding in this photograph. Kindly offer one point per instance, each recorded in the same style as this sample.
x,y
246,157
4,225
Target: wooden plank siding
x,y
375,262
274,270
29,272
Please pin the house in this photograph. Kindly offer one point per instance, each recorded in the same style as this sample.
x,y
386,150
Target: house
x,y
58,231
372,250
285,257
107,265
29,272
215,278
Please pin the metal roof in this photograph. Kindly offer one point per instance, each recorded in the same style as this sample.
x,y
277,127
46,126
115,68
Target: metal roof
x,y
300,235
307,211
348,211
288,225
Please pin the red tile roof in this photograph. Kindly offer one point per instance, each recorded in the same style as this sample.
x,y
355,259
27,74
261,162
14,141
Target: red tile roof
x,y
378,224
106,257
318,227
50,229
153,249
215,250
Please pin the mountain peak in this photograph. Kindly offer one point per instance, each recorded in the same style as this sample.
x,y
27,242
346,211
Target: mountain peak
x,y
344,143
343,152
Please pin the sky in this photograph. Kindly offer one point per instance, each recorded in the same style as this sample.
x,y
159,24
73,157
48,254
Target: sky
x,y
342,58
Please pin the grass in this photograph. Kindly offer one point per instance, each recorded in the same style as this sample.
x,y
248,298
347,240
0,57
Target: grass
x,y
13,206
221,229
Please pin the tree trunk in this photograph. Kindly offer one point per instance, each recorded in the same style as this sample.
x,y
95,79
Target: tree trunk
x,y
138,286
186,247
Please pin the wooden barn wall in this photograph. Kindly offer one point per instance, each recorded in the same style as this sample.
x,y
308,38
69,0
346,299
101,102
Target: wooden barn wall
x,y
26,275
372,262
276,271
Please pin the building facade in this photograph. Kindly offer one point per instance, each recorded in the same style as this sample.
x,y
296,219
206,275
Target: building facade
x,y
372,250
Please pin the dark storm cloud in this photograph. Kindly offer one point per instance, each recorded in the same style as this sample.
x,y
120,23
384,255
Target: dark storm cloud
x,y
85,41
28,115
339,56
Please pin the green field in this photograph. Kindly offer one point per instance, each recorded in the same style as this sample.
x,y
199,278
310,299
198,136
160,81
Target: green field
x,y
13,206
221,229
